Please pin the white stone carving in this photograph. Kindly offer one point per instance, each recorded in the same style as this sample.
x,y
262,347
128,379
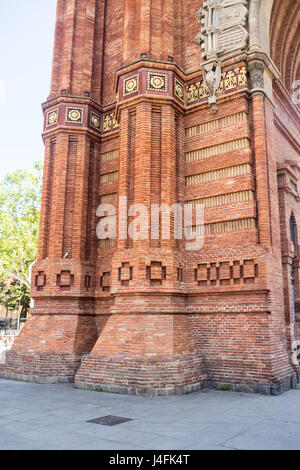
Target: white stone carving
x,y
212,79
223,28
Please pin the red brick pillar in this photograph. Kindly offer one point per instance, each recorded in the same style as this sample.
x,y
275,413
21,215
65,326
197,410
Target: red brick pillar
x,y
62,325
146,346
261,169
269,223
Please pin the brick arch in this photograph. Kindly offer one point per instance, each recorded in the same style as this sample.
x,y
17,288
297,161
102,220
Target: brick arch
x,y
285,40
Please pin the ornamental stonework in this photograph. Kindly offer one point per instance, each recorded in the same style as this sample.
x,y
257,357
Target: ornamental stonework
x,y
231,80
223,27
256,70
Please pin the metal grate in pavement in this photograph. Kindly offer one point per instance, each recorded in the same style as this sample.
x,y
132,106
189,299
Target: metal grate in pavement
x,y
109,420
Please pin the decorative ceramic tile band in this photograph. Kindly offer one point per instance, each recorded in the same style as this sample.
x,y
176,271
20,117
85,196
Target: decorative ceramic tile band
x,y
131,85
109,122
157,82
84,115
231,80
179,90
52,117
74,115
95,121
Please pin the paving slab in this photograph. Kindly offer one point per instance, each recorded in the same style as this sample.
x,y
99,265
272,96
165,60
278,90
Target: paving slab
x,y
40,417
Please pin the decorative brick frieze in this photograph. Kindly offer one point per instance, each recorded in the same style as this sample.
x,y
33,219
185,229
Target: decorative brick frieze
x,y
40,280
105,281
226,273
112,155
65,280
125,274
216,150
156,273
216,124
237,225
222,199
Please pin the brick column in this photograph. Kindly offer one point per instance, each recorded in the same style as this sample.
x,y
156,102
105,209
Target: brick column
x,y
63,325
261,169
146,346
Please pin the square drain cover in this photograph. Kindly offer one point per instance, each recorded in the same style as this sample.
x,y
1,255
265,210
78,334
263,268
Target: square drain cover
x,y
109,420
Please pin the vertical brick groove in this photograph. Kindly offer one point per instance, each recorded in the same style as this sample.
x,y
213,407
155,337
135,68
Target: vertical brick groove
x,y
156,160
46,208
69,195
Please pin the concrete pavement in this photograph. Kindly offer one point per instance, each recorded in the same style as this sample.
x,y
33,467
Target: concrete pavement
x,y
38,417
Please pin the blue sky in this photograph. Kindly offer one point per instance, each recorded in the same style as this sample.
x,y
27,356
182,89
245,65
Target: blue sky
x,y
26,45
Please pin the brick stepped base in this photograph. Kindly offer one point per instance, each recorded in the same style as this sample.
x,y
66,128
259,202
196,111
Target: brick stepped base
x,y
141,377
40,367
49,348
144,354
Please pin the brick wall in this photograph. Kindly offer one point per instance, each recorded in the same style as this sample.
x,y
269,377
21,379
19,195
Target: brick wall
x,y
128,115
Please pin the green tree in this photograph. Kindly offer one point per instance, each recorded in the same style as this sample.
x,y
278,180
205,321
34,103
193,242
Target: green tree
x,y
20,196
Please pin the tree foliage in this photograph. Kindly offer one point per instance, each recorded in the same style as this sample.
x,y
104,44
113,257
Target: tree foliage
x,y
20,195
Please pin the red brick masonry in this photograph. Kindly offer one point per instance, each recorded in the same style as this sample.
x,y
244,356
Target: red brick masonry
x,y
149,316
